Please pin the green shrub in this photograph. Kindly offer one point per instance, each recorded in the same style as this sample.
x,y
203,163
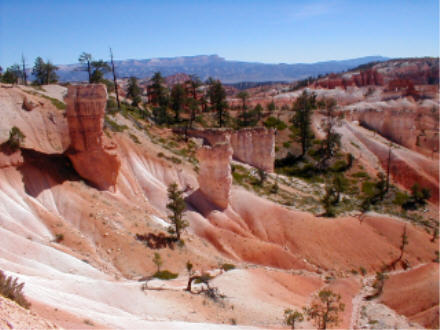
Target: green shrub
x,y
400,198
114,126
363,271
165,275
59,238
16,138
57,103
273,122
369,188
360,174
11,289
226,267
339,166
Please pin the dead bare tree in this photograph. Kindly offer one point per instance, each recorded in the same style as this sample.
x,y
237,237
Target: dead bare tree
x,y
114,79
23,70
387,187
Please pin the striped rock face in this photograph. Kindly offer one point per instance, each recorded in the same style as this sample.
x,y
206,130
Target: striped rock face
x,y
93,158
215,179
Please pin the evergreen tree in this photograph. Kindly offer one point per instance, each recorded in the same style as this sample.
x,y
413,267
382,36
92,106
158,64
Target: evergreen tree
x,y
291,317
325,309
86,59
134,91
303,107
178,100
12,74
158,90
217,96
45,73
176,205
100,68
332,139
50,71
271,106
195,82
38,71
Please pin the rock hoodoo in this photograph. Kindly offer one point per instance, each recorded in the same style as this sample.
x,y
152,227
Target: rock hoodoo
x,y
92,156
253,146
215,179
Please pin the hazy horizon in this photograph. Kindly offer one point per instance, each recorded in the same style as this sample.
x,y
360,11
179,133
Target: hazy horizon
x,y
280,31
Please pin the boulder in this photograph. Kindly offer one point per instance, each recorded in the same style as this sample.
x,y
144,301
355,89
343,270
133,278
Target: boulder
x,y
93,157
28,105
215,178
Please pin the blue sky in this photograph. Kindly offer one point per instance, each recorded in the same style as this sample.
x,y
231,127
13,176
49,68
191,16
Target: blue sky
x,y
269,31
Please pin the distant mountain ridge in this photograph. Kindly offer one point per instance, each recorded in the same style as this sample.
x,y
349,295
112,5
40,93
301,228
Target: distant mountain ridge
x,y
218,67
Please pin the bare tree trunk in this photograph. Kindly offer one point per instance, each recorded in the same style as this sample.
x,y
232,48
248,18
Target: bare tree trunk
x,y
114,80
388,170
24,75
89,71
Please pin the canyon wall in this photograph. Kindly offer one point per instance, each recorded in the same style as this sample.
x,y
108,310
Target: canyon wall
x,y
407,168
93,156
215,178
414,71
415,130
253,146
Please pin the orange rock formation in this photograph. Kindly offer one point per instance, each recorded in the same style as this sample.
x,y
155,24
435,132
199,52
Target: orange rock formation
x,y
215,177
93,158
253,146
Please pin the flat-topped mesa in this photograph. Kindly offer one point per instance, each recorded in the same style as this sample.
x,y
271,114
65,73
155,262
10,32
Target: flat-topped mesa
x,y
254,146
215,178
93,157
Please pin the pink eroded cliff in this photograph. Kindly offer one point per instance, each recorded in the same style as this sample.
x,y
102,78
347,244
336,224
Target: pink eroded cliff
x,y
92,156
407,167
414,71
416,130
215,179
253,146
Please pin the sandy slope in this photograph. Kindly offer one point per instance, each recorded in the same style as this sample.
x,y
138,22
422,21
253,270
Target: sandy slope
x,y
92,273
417,286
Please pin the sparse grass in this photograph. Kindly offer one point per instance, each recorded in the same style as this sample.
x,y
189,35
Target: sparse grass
x,y
11,289
57,103
114,126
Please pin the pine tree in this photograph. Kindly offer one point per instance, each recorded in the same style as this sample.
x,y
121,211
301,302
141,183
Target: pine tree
x,y
303,107
12,74
176,205
100,68
86,58
325,309
217,96
134,91
178,100
45,73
